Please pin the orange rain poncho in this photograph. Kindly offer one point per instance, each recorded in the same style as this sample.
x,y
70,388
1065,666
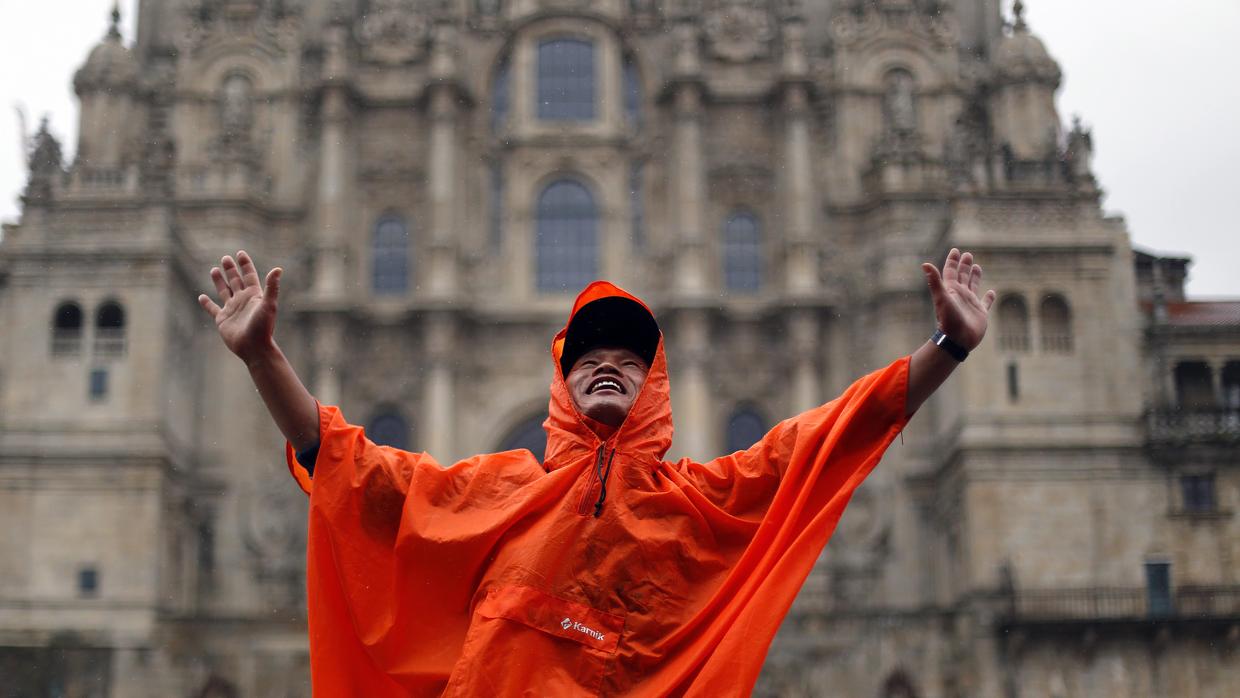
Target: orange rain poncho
x,y
493,577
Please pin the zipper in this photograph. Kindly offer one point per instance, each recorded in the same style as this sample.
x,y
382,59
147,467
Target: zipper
x,y
583,506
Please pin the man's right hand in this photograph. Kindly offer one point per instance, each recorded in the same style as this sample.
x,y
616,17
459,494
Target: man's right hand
x,y
247,320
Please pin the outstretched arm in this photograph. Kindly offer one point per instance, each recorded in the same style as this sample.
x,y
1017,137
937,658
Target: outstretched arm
x,y
961,314
247,323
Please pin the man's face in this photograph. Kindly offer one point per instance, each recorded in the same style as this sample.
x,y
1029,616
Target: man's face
x,y
604,383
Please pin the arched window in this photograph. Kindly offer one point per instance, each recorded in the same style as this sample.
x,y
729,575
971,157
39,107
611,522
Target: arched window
x,y
742,253
388,428
529,435
632,94
1056,324
67,329
566,80
390,255
110,330
900,102
1013,324
499,95
566,246
745,428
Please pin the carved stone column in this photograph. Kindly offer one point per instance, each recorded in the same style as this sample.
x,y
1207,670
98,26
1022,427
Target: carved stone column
x,y
688,167
333,196
437,431
328,352
441,271
691,385
803,340
800,266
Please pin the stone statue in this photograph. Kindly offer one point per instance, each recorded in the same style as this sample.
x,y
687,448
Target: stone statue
x,y
45,154
900,102
1079,155
237,106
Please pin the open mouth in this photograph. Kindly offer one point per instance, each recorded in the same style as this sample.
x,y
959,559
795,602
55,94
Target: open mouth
x,y
605,384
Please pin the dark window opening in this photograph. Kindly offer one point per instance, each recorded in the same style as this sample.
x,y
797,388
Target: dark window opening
x,y
529,435
88,582
1194,387
1013,323
1056,323
110,330
98,384
1158,588
745,428
389,429
1198,493
1231,385
67,330
1013,382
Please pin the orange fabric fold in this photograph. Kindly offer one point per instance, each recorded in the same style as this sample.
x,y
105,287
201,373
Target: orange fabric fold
x,y
493,577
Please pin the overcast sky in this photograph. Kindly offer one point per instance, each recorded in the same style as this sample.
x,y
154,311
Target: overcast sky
x,y
1158,82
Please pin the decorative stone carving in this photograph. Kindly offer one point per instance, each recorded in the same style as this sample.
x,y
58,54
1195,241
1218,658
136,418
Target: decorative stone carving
x,y
739,30
274,531
272,23
863,22
393,31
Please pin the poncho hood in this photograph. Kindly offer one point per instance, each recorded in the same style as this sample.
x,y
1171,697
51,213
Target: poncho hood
x,y
647,430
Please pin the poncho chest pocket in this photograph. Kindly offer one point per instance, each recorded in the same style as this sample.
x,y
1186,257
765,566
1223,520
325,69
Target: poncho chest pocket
x,y
524,641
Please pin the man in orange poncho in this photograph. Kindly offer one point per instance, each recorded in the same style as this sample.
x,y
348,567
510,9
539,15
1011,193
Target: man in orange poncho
x,y
605,570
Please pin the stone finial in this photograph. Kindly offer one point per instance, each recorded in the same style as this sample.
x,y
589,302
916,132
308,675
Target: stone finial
x,y
1018,12
114,31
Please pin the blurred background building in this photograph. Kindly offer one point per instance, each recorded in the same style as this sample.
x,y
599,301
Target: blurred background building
x,y
439,177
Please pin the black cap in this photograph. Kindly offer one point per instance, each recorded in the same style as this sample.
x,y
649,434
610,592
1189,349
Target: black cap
x,y
610,322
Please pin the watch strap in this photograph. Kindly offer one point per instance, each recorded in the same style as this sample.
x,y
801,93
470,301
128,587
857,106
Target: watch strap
x,y
945,343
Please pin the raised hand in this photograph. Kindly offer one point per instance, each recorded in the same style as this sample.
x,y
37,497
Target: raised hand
x,y
247,320
961,313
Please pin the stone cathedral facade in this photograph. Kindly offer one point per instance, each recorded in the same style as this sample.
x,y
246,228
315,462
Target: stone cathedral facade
x,y
439,177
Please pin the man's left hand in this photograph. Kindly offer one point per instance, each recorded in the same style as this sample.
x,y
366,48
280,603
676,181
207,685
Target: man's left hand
x,y
961,313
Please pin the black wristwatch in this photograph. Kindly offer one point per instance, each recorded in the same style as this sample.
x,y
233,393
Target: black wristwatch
x,y
945,343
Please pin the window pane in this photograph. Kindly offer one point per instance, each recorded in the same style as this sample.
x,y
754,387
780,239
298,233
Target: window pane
x,y
566,80
745,429
742,253
391,256
567,238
